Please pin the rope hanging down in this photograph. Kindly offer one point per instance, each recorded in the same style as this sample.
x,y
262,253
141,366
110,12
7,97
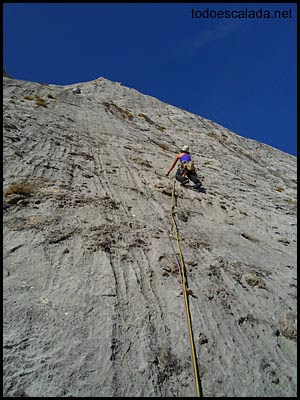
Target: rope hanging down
x,y
187,309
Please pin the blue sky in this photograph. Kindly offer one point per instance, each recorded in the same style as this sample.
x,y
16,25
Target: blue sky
x,y
238,72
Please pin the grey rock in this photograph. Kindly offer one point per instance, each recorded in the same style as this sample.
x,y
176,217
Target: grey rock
x,y
91,262
202,338
288,325
76,91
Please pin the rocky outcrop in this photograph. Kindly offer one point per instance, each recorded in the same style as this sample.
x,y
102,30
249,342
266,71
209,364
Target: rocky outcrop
x,y
92,292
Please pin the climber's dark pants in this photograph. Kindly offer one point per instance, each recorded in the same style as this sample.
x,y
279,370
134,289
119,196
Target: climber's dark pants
x,y
192,176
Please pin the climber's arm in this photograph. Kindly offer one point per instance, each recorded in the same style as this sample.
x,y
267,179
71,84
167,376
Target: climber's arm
x,y
173,164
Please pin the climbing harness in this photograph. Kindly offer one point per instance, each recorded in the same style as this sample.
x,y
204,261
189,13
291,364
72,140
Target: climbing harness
x,y
187,167
187,309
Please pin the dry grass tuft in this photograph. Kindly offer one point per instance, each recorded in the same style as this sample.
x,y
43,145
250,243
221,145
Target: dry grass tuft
x,y
115,109
39,101
25,189
149,120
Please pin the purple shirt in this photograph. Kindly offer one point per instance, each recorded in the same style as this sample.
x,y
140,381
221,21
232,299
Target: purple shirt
x,y
185,157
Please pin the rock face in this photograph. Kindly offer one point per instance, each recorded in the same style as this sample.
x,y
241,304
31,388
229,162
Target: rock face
x,y
92,303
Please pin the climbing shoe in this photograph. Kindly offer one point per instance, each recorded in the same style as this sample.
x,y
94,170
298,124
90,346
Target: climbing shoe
x,y
197,186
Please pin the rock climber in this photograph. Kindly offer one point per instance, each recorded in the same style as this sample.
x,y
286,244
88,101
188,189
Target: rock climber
x,y
186,170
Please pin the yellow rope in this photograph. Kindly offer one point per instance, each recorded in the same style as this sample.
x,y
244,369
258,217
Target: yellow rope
x,y
183,281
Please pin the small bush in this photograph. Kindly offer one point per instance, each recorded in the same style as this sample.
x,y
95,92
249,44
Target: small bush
x,y
40,102
25,189
28,98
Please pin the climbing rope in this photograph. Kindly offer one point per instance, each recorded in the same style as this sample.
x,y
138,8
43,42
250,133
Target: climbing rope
x,y
186,302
